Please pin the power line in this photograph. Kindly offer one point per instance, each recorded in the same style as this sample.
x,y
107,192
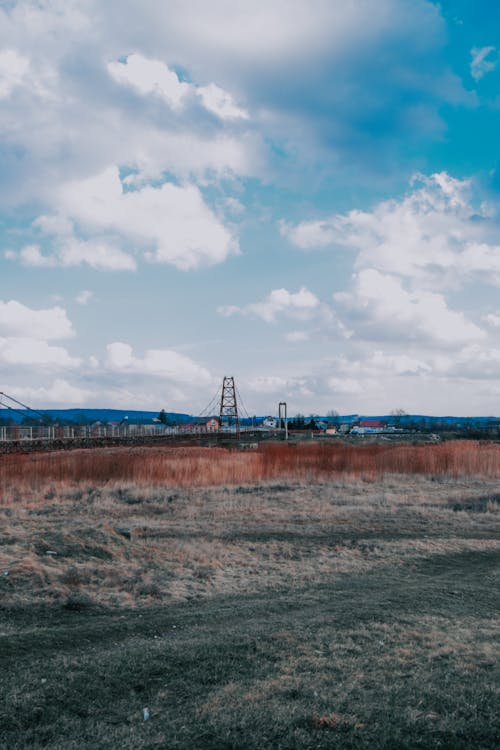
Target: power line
x,y
19,403
211,404
242,404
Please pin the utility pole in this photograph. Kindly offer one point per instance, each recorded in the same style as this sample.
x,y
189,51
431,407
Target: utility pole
x,y
282,415
228,414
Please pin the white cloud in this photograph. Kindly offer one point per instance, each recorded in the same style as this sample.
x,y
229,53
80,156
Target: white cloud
x,y
84,297
154,77
296,337
268,384
310,234
162,363
301,305
280,386
60,394
13,71
481,258
221,103
17,320
482,62
18,75
172,224
98,254
25,334
344,385
150,77
398,364
400,236
278,34
32,351
434,234
493,319
379,307
70,252
234,206
205,156
288,86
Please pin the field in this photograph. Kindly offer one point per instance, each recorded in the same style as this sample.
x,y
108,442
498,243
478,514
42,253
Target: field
x,y
309,597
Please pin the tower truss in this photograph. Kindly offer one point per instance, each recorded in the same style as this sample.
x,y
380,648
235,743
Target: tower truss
x,y
228,414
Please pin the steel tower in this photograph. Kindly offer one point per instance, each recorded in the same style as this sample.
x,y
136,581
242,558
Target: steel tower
x,y
228,415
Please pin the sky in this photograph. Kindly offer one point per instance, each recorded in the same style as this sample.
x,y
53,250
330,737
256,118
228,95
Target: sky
x,y
303,194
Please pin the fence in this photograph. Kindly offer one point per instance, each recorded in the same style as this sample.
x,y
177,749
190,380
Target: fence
x,y
78,432
16,433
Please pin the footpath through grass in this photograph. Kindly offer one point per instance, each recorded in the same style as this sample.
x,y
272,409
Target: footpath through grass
x,y
345,615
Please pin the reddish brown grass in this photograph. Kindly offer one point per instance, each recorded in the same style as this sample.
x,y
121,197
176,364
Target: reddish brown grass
x,y
199,467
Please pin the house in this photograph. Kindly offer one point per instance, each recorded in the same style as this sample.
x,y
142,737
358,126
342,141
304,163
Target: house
x,y
210,424
375,424
370,427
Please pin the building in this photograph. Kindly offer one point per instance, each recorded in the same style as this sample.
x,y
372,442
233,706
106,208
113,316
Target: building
x,y
212,424
374,424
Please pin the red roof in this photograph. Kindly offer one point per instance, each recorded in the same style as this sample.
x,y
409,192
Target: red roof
x,y
371,423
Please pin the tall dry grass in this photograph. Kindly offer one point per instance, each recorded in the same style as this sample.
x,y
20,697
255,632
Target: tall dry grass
x,y
204,467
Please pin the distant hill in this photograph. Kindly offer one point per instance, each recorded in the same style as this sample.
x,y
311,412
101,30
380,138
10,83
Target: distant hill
x,y
93,415
85,416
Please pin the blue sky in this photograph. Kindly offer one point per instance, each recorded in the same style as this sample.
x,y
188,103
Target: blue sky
x,y
302,194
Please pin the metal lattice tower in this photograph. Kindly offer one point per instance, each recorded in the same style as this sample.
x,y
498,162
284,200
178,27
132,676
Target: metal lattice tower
x,y
228,415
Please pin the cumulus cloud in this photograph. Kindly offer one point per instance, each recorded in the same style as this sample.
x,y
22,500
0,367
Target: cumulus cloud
x,y
376,85
87,121
145,123
18,320
380,307
70,252
435,234
25,334
60,393
171,223
160,363
154,77
221,103
301,304
31,351
380,82
150,77
483,60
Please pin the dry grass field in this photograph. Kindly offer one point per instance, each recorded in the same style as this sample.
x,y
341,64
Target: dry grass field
x,y
205,467
284,598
